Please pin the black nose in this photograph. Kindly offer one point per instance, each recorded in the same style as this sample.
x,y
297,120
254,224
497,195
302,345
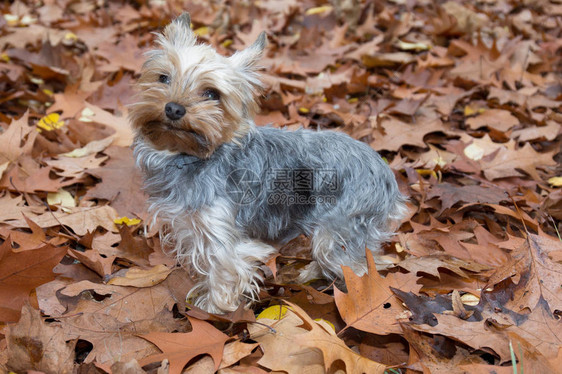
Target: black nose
x,y
174,111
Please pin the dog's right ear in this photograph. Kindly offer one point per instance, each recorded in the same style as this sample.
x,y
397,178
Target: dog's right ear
x,y
179,32
247,59
184,20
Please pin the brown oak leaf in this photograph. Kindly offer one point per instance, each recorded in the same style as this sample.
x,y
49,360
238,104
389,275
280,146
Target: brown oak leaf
x,y
179,348
22,272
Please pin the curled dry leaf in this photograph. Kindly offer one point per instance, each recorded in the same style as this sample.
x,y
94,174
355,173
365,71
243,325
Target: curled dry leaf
x,y
492,330
112,324
537,277
137,277
296,343
35,344
508,159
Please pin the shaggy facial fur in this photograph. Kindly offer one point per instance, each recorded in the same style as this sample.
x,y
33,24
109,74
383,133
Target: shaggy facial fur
x,y
221,188
192,99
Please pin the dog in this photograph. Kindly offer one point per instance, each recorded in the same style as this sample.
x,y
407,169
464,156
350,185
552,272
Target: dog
x,y
222,190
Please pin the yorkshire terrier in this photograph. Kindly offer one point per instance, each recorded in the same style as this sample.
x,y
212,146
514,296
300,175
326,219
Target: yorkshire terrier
x,y
222,189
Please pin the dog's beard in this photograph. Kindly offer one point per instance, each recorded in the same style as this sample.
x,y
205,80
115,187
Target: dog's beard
x,y
166,136
198,133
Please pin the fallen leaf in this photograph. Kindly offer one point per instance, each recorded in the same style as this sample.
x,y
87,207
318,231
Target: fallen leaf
x,y
81,220
369,305
491,330
12,208
62,198
50,122
92,147
539,276
120,183
548,132
92,259
398,133
127,221
432,264
112,324
386,59
123,133
296,343
136,277
467,19
508,159
179,348
21,273
34,344
555,181
17,133
498,119
450,194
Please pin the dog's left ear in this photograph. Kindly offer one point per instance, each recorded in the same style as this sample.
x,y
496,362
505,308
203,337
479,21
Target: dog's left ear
x,y
179,32
248,58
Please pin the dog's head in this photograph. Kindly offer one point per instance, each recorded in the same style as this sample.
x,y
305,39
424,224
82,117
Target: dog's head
x,y
192,99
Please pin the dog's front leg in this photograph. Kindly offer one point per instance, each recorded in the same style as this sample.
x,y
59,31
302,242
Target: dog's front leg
x,y
224,259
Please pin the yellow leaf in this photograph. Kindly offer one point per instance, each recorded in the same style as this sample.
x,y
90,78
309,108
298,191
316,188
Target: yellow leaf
x,y
50,122
70,36
304,110
137,277
555,181
127,221
425,172
201,31
319,10
419,46
352,100
62,198
275,312
470,110
226,43
4,57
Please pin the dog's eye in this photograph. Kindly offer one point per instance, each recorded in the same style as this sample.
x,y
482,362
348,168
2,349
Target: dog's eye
x,y
211,94
163,78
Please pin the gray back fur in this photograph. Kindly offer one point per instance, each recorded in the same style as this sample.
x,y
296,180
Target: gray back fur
x,y
366,194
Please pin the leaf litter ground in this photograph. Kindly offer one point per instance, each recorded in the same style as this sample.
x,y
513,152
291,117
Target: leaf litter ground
x,y
464,100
